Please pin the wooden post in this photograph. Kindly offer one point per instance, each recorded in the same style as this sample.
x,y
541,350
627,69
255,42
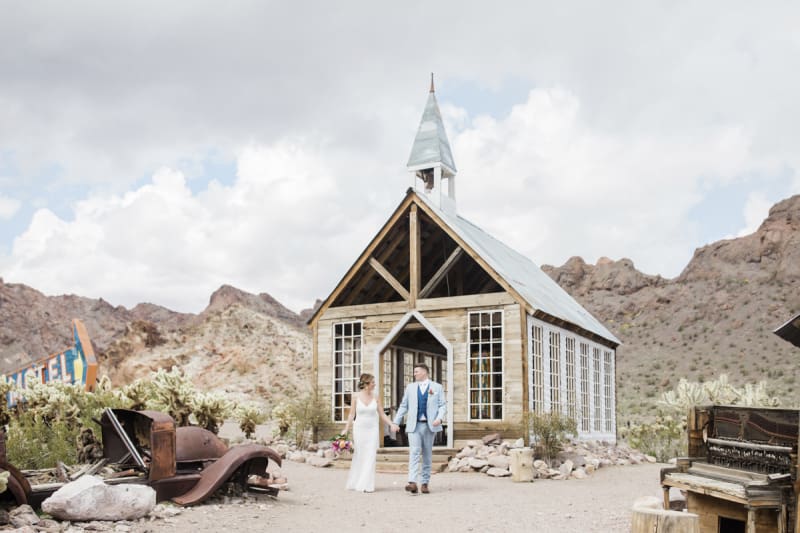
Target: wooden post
x,y
521,465
751,521
414,265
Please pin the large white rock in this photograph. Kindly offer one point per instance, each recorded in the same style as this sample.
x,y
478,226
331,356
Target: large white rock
x,y
499,461
89,498
476,463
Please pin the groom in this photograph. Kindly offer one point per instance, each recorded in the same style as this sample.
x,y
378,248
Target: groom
x,y
425,404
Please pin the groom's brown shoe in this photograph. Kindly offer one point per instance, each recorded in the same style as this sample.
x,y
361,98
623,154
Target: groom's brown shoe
x,y
425,488
411,487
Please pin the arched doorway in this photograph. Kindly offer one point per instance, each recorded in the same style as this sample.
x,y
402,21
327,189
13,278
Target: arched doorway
x,y
413,339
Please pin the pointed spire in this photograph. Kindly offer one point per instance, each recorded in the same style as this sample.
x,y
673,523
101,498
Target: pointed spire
x,y
431,146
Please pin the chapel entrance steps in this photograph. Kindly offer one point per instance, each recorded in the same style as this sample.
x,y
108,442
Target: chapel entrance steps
x,y
395,460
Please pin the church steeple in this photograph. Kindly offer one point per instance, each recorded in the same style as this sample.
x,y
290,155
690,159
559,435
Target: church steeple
x,y
431,159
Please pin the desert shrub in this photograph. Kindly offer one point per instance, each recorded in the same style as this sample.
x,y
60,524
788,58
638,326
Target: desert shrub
x,y
53,442
551,430
297,417
663,439
45,426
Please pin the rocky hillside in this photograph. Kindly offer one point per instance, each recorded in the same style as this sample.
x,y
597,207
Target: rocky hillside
x,y
249,345
716,317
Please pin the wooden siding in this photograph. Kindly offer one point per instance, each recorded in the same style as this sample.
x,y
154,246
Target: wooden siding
x,y
452,324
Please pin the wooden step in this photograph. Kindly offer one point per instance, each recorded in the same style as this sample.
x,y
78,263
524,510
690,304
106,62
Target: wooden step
x,y
391,460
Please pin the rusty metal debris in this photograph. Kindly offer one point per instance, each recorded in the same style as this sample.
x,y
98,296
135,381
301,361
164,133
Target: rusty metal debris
x,y
185,465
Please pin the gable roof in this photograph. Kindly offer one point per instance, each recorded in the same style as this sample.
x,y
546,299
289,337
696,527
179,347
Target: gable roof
x,y
538,289
527,281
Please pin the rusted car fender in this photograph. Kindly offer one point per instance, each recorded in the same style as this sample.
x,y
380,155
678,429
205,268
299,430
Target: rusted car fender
x,y
198,444
18,486
244,460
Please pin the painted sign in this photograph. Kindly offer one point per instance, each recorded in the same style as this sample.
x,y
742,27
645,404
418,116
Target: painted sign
x,y
74,365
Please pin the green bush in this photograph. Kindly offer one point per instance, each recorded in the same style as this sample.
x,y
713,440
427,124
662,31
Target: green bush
x,y
551,430
663,439
298,416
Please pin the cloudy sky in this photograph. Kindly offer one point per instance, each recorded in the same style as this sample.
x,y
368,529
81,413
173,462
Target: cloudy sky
x,y
152,151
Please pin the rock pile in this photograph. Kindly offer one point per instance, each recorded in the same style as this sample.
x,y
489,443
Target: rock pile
x,y
577,460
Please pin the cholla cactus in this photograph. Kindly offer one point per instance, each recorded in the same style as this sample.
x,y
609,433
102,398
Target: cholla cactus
x,y
210,409
5,388
686,394
54,402
173,392
250,415
757,395
689,394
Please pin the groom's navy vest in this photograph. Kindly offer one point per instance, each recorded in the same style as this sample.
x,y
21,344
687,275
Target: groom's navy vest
x,y
422,402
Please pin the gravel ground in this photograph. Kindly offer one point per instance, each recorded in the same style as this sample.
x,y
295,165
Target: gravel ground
x,y
317,501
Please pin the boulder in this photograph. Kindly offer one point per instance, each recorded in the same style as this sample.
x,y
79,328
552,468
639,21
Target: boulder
x,y
297,457
89,498
566,467
476,463
320,462
579,473
499,461
498,472
22,516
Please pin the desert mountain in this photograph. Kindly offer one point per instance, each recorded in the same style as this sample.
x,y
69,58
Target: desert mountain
x,y
249,345
716,317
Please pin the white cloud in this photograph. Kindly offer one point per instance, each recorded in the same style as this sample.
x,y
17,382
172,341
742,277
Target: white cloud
x,y
636,115
278,228
755,211
554,186
8,207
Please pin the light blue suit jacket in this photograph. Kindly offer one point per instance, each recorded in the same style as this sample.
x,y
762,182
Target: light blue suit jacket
x,y
436,407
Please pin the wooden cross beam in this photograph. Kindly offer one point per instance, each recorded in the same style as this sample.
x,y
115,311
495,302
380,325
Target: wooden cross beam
x,y
391,280
441,273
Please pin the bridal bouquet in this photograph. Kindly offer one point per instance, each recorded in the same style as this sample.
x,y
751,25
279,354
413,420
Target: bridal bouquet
x,y
340,444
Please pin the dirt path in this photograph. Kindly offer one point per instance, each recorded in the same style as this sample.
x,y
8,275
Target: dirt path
x,y
317,501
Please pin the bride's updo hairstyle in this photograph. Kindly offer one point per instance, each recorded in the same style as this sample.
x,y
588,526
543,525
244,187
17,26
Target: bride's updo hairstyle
x,y
365,380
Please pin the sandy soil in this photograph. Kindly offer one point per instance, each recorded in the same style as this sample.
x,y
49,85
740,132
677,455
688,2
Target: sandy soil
x,y
317,501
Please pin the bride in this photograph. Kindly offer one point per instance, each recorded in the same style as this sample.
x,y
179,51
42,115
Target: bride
x,y
367,411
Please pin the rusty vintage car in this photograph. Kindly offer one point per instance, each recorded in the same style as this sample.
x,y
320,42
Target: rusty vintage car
x,y
184,464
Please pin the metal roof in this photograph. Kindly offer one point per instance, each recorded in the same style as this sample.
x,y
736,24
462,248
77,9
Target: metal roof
x,y
431,145
790,331
537,288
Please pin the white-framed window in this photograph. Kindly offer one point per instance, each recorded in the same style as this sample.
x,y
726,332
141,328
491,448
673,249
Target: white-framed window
x,y
598,403
569,367
585,415
607,381
537,369
346,366
485,365
555,372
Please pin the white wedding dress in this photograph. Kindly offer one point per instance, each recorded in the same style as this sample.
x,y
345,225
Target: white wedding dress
x,y
365,444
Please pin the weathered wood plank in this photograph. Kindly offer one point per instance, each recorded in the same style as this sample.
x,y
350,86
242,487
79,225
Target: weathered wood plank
x,y
391,280
415,265
462,302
